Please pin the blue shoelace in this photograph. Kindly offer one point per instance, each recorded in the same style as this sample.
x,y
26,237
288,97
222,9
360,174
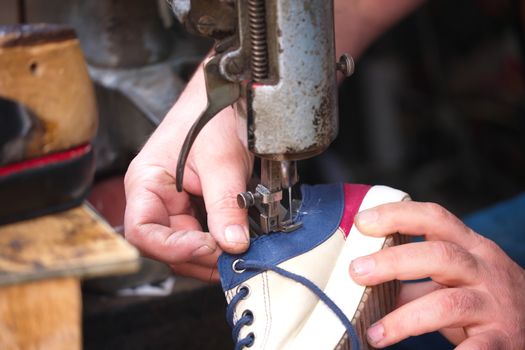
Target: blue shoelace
x,y
247,317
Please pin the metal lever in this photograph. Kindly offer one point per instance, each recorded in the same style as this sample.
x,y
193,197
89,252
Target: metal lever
x,y
221,93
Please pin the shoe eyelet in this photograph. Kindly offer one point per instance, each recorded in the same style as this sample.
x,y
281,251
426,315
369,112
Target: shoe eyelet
x,y
241,287
250,314
251,335
234,266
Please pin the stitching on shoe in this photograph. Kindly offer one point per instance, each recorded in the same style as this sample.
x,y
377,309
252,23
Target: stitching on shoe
x,y
265,267
342,232
307,201
268,325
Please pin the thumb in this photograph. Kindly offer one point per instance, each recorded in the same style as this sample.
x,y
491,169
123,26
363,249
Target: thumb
x,y
221,181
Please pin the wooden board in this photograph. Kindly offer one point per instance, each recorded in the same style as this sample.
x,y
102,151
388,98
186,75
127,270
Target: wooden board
x,y
41,315
73,243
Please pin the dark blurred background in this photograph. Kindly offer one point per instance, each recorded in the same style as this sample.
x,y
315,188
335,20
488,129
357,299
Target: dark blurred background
x,y
436,108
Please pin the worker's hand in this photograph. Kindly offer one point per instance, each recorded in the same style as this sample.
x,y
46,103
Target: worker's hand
x,y
476,297
163,223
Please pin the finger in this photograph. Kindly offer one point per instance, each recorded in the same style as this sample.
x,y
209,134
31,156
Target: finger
x,y
492,340
414,290
444,262
450,307
209,261
204,274
162,243
151,194
147,225
454,335
416,219
159,220
222,180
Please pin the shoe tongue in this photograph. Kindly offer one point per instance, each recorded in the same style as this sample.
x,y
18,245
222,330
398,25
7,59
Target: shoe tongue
x,y
321,212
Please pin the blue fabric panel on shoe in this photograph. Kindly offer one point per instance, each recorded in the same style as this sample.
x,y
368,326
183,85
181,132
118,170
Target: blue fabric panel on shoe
x,y
321,211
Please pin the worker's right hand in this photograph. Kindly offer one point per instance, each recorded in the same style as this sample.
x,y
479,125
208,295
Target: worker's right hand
x,y
162,222
475,295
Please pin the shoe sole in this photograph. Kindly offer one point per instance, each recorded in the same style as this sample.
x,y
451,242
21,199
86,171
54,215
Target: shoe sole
x,y
46,185
376,302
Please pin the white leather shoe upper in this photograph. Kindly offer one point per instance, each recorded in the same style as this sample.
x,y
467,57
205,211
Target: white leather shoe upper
x,y
286,314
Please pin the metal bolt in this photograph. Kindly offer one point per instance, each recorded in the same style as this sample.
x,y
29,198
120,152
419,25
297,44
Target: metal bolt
x,y
247,199
206,25
234,67
346,65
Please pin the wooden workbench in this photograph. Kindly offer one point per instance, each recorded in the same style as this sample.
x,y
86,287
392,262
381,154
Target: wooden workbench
x,y
42,262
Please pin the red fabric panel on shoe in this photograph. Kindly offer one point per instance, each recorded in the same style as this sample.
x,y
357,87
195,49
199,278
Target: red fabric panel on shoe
x,y
354,195
72,153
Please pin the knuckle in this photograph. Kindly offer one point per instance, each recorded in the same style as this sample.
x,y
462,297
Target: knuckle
x,y
436,211
130,174
176,241
493,340
459,303
137,234
389,258
452,253
484,344
133,236
490,250
445,251
226,203
490,244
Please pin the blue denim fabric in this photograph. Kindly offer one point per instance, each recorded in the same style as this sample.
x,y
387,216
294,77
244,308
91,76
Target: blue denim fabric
x,y
504,223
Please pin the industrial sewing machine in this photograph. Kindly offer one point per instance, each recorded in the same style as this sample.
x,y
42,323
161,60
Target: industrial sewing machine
x,y
275,61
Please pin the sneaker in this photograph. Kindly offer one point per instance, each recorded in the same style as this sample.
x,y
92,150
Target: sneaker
x,y
294,291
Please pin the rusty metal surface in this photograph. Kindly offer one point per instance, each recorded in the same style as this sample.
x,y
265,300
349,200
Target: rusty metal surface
x,y
297,117
282,54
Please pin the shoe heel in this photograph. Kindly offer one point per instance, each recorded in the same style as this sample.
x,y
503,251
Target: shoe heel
x,y
376,302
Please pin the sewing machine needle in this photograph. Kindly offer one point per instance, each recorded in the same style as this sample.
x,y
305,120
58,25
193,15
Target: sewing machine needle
x,y
290,204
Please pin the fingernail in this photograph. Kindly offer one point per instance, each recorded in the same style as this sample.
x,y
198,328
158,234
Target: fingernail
x,y
201,251
367,217
362,266
236,234
375,333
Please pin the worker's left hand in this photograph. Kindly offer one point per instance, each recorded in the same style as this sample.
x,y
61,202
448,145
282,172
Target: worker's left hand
x,y
476,297
168,225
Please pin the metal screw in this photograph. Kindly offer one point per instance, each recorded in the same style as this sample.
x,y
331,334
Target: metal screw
x,y
346,65
247,199
234,67
206,25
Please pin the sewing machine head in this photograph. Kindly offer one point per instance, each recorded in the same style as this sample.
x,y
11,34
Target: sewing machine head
x,y
275,59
